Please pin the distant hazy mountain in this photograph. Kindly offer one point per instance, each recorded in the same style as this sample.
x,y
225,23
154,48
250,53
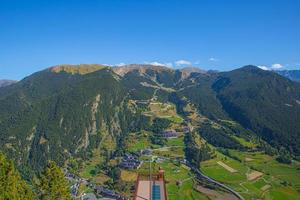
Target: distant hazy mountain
x,y
291,74
4,83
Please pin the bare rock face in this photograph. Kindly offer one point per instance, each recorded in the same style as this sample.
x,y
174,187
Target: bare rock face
x,y
77,69
68,110
122,70
186,72
94,110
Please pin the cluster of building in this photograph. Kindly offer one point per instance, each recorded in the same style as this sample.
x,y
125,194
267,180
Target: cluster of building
x,y
88,196
108,193
146,188
146,151
74,189
130,161
75,181
185,129
171,133
105,193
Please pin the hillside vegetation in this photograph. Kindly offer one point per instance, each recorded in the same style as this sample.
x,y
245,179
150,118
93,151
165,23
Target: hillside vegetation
x,y
69,111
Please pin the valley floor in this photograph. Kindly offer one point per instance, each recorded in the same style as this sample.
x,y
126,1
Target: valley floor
x,y
251,174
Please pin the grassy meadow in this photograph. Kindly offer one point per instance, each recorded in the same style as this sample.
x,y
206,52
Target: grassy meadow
x,y
278,180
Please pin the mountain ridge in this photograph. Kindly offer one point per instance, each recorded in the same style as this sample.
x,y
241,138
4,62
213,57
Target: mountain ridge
x,y
293,75
64,113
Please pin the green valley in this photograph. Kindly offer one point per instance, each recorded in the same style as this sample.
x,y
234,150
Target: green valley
x,y
108,126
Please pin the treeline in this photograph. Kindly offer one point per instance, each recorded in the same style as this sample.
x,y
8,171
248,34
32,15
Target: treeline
x,y
194,152
179,102
255,97
219,136
49,115
282,155
49,185
158,125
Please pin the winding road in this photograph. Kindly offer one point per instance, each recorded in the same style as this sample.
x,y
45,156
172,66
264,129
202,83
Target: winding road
x,y
200,174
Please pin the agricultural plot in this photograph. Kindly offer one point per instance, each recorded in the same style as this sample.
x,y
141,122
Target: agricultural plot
x,y
230,169
176,141
248,159
214,194
254,175
170,152
265,187
258,175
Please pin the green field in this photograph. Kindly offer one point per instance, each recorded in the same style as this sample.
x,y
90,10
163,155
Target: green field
x,y
138,141
176,141
282,180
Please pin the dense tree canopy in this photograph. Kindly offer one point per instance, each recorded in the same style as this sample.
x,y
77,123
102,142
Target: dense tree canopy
x,y
12,187
62,114
53,184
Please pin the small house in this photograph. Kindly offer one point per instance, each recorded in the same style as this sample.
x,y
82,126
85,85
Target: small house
x,y
169,134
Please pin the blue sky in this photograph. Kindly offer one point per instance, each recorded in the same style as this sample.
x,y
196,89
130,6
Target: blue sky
x,y
210,34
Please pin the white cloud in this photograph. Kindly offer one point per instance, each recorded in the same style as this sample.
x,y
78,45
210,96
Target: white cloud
x,y
155,63
168,64
109,65
120,64
277,66
213,59
263,67
197,62
114,65
183,62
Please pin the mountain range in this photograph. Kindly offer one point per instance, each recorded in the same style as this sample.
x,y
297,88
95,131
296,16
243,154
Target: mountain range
x,y
291,74
67,111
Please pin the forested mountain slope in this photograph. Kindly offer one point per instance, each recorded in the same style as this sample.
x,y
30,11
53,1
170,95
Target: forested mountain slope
x,y
67,111
264,102
55,115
